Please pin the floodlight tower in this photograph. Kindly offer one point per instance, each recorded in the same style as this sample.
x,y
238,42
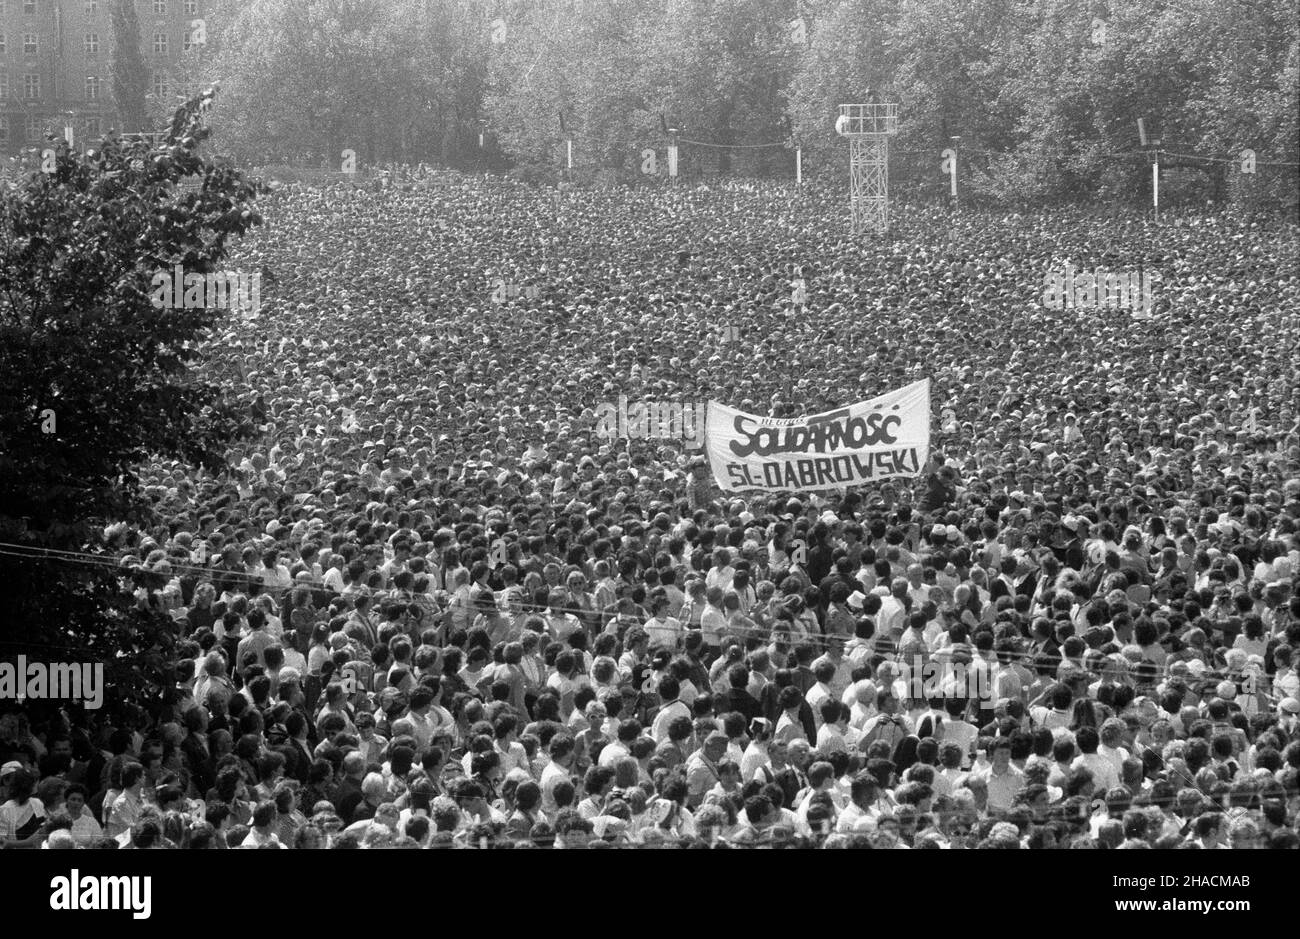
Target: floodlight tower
x,y
868,127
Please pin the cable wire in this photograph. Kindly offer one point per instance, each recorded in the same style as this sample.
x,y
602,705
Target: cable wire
x,y
764,634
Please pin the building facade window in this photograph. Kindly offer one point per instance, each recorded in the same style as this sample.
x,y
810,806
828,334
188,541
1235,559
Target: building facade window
x,y
32,128
4,130
160,7
191,7
92,128
29,7
159,43
31,87
92,87
159,85
92,7
29,44
4,85
92,44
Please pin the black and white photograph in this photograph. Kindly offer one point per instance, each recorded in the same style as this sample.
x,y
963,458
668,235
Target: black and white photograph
x,y
648,425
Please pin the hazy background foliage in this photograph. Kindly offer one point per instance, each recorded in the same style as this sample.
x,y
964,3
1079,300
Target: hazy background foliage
x,y
1041,99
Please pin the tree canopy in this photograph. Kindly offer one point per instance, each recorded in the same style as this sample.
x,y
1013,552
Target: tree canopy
x,y
1042,95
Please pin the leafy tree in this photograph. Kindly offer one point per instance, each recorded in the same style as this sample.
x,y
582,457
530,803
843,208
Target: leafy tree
x,y
385,78
716,69
129,74
554,61
95,378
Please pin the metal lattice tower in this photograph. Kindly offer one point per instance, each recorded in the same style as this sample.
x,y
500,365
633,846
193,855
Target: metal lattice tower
x,y
868,127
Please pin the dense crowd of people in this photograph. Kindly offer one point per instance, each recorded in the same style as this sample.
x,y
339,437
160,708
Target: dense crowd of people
x,y
428,606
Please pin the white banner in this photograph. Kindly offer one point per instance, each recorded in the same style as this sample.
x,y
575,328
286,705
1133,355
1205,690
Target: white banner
x,y
885,438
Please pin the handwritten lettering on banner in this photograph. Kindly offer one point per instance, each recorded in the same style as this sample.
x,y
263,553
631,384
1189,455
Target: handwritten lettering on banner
x,y
885,438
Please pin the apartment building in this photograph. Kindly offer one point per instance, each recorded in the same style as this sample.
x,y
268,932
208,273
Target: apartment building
x,y
55,60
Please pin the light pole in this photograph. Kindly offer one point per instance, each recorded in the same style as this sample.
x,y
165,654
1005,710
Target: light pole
x,y
956,150
568,141
672,133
